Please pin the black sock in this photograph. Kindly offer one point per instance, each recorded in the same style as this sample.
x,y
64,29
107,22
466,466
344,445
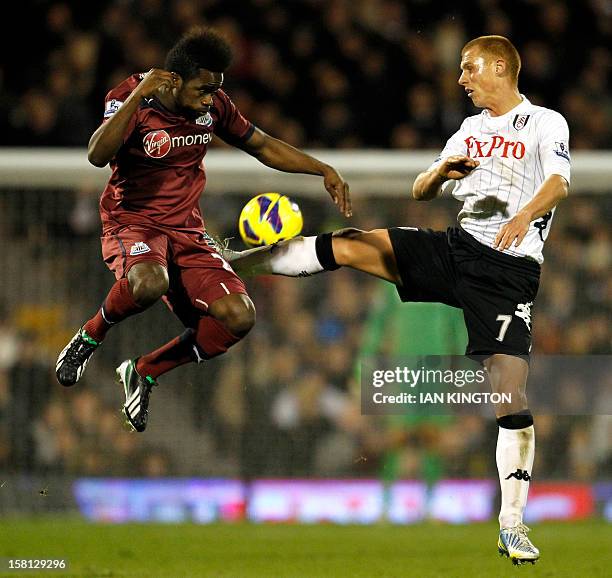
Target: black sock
x,y
519,420
325,252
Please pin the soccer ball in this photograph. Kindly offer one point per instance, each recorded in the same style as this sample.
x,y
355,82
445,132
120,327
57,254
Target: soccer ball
x,y
269,218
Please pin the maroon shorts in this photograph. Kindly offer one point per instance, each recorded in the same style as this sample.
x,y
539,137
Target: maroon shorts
x,y
198,274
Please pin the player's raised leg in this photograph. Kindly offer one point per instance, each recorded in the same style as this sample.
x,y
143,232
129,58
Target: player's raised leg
x,y
367,251
218,313
145,283
514,455
229,319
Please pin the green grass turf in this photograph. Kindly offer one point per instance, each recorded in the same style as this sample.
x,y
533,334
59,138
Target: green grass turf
x,y
270,551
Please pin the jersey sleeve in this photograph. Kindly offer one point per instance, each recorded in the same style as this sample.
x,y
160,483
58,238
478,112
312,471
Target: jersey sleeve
x,y
231,126
553,145
116,97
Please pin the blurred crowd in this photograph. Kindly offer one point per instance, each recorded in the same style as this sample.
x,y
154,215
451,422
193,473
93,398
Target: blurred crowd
x,y
284,402
317,73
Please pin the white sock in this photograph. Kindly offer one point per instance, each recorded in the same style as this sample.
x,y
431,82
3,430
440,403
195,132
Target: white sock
x,y
514,456
295,257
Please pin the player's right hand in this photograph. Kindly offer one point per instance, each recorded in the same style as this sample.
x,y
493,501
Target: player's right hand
x,y
456,167
157,79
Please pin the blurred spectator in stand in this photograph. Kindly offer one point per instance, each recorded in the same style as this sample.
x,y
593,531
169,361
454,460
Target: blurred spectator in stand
x,y
313,59
329,74
30,387
305,412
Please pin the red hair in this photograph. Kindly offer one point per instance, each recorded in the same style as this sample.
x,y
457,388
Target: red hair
x,y
499,47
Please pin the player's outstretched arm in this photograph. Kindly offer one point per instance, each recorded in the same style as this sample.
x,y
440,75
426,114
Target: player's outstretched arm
x,y
554,189
108,138
279,155
428,184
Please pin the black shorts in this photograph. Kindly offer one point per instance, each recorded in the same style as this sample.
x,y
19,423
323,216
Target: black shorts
x,y
495,291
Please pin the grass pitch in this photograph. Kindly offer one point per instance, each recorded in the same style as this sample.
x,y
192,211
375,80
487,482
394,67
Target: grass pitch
x,y
286,551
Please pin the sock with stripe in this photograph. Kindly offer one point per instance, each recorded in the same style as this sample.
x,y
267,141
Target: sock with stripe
x,y
298,257
514,456
173,354
210,339
118,305
325,252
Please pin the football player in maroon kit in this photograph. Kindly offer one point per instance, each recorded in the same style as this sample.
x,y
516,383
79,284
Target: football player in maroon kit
x,y
156,130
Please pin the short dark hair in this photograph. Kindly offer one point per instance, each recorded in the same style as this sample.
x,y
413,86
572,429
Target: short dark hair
x,y
500,47
199,48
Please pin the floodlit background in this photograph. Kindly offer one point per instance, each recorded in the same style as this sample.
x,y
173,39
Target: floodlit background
x,y
272,430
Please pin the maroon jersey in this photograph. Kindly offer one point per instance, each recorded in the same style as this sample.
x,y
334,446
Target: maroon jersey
x,y
158,174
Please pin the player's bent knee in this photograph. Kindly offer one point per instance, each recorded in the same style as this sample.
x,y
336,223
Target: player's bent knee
x,y
236,312
148,282
240,321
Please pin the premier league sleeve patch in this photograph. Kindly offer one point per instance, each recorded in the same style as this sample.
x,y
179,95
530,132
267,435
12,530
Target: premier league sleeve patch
x,y
562,150
112,106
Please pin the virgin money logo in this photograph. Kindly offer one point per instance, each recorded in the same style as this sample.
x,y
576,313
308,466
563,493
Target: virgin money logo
x,y
157,143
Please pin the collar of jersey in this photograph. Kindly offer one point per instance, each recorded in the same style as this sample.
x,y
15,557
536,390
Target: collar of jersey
x,y
157,104
154,102
520,107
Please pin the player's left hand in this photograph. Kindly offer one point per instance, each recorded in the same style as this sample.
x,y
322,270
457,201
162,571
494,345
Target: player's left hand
x,y
338,189
513,232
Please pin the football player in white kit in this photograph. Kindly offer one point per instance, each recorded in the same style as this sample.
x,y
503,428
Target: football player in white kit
x,y
510,166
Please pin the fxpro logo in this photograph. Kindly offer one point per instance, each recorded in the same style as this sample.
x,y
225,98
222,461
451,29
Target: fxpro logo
x,y
501,146
157,143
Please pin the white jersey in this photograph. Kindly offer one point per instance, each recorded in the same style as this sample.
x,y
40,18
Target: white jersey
x,y
517,152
